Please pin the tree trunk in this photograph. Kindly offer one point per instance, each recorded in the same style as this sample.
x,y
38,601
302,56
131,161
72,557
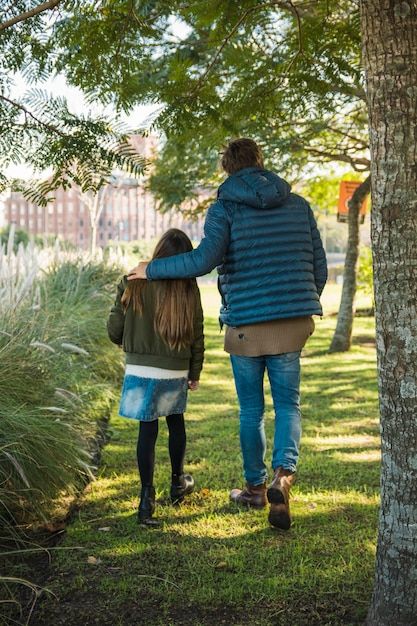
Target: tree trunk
x,y
343,334
389,35
93,237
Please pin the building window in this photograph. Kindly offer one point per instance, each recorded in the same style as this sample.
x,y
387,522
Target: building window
x,y
109,223
81,222
51,209
101,236
81,236
60,207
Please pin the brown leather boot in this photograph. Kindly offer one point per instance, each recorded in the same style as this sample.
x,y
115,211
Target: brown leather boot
x,y
252,495
278,495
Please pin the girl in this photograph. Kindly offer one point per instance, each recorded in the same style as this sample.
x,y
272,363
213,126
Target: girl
x,y
159,324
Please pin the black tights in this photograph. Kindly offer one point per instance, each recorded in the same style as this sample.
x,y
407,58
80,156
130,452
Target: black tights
x,y
148,433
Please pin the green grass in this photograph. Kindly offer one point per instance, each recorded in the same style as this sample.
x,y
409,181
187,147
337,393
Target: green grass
x,y
211,563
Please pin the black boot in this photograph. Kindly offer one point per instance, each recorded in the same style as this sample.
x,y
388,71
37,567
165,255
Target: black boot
x,y
147,506
181,486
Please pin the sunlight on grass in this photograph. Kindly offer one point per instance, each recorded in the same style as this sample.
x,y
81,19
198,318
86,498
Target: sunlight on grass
x,y
216,526
342,441
368,424
208,555
359,457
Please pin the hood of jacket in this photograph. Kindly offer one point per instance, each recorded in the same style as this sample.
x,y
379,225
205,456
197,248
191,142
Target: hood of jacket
x,y
255,187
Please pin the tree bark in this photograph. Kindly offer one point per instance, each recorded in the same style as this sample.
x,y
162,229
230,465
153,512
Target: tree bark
x,y
44,6
343,334
93,237
94,202
389,35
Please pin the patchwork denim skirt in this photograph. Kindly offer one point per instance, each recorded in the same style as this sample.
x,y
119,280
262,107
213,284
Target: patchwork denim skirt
x,y
150,392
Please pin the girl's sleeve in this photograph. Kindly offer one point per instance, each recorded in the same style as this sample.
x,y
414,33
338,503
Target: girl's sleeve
x,y
116,321
197,347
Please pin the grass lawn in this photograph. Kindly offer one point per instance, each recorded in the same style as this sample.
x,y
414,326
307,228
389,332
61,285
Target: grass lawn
x,y
211,563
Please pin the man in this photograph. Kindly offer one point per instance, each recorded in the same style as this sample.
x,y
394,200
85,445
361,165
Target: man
x,y
272,270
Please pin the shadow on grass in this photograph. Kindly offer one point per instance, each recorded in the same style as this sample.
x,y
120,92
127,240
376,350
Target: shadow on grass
x,y
333,463
211,563
178,575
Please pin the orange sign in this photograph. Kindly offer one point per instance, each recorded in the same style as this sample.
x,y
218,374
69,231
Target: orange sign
x,y
347,188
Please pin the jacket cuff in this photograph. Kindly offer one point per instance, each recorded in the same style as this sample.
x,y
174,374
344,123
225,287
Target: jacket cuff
x,y
148,271
194,375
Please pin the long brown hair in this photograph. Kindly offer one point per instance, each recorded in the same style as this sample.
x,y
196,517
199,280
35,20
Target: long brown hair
x,y
175,300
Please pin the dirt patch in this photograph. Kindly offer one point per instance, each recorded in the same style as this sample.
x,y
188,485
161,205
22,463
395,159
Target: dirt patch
x,y
90,610
20,601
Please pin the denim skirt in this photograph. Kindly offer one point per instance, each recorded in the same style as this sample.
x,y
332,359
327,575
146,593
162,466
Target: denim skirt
x,y
149,393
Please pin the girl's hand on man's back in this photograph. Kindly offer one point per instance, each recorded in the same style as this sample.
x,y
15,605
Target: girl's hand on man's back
x,y
193,385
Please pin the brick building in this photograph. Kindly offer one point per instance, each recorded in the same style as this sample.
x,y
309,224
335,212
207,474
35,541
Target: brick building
x,y
129,213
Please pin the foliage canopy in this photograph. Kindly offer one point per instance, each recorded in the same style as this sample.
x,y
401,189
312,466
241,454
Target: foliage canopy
x,y
286,73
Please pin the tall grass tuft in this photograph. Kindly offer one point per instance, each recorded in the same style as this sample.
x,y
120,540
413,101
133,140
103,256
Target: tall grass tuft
x,y
57,376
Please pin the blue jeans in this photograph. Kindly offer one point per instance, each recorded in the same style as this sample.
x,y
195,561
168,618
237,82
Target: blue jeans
x,y
284,378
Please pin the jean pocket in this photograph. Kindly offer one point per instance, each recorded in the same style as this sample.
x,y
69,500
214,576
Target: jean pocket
x,y
289,357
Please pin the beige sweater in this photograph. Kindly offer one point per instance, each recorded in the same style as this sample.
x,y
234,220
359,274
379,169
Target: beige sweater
x,y
276,337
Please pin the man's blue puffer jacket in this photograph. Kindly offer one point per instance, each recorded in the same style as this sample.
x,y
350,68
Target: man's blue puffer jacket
x,y
265,242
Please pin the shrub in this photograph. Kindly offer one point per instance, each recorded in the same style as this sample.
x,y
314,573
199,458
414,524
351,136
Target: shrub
x,y
57,377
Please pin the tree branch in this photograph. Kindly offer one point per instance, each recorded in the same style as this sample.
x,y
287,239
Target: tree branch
x,y
344,158
360,193
17,105
287,6
359,141
221,48
346,89
45,6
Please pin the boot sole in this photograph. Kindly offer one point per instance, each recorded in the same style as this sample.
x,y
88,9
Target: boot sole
x,y
180,498
275,496
279,520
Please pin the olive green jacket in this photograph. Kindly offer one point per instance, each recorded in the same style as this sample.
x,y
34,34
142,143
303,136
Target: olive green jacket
x,y
142,345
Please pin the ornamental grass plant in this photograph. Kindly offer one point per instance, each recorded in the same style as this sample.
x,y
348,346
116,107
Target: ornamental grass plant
x,y
58,373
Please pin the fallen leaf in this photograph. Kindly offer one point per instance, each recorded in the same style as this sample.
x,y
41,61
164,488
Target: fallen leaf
x,y
105,529
92,560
